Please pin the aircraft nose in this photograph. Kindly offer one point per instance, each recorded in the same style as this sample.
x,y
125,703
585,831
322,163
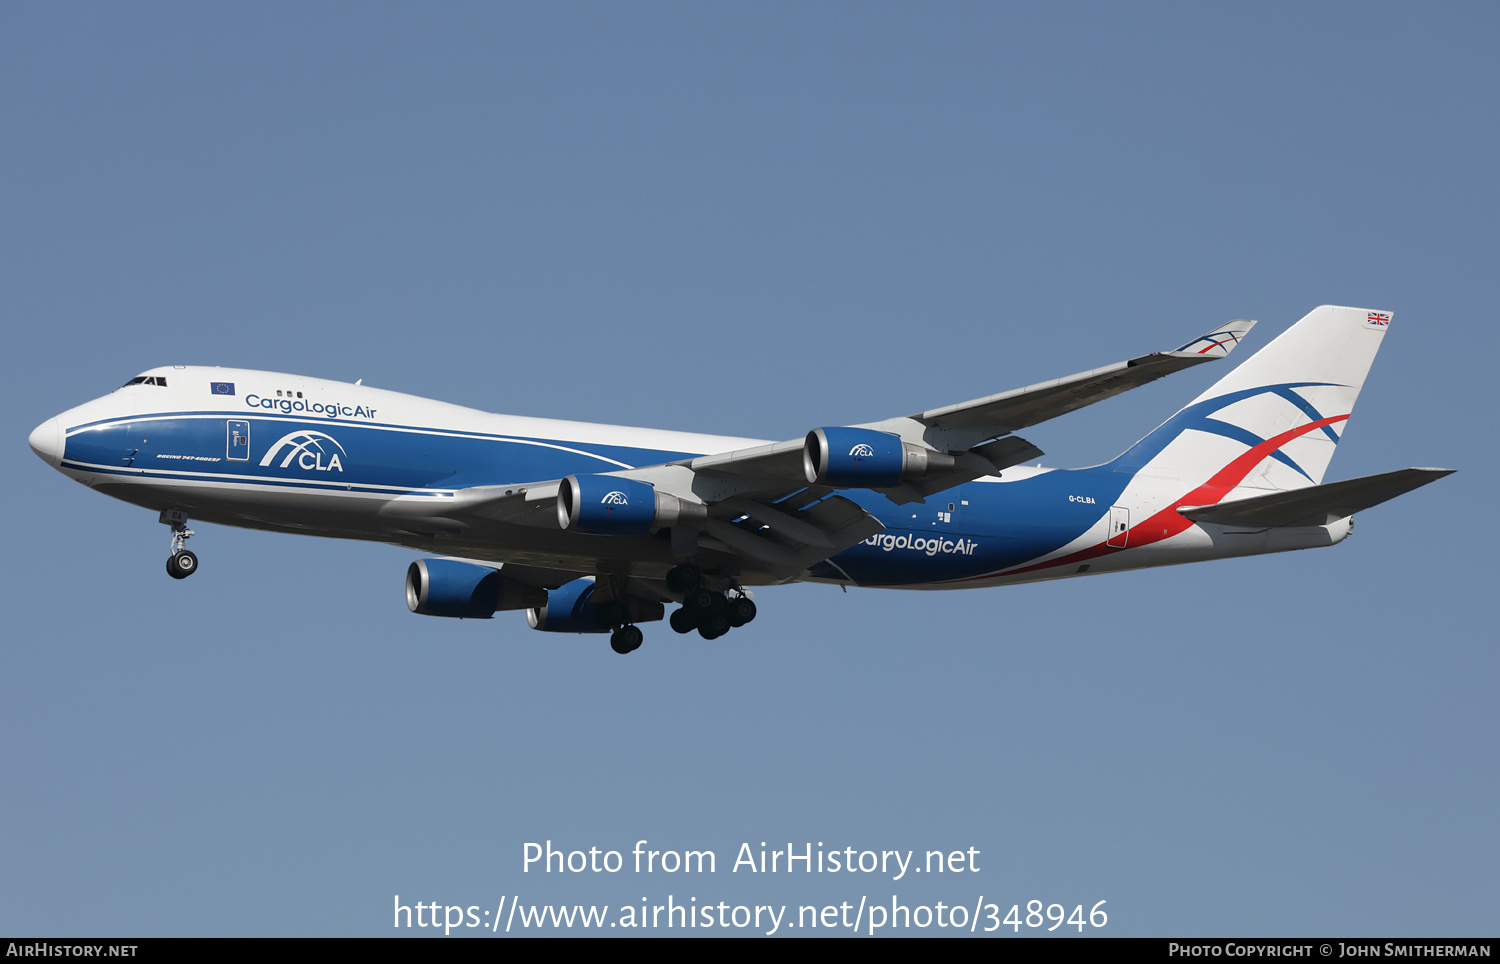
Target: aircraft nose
x,y
47,442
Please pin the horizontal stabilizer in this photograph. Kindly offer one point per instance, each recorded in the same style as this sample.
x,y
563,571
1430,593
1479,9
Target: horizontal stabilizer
x,y
1317,505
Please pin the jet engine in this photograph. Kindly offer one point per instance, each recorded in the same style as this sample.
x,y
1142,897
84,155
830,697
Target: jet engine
x,y
571,608
447,587
611,506
867,459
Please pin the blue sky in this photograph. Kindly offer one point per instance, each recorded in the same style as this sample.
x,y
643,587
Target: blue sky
x,y
749,220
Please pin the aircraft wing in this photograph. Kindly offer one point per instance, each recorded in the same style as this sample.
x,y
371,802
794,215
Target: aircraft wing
x,y
1006,412
970,433
771,503
783,528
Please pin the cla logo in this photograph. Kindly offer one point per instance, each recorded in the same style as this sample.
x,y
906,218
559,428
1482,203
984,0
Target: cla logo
x,y
615,498
862,451
312,450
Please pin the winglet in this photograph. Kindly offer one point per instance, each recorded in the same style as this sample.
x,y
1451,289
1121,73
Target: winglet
x,y
1217,343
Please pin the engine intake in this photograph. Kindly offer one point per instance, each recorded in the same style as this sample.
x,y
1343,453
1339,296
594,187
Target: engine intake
x,y
447,587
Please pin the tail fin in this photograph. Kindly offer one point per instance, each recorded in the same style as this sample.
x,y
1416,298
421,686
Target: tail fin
x,y
1279,415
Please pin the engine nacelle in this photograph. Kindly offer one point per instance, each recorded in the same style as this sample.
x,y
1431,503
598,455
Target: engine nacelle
x,y
571,608
447,587
611,506
867,459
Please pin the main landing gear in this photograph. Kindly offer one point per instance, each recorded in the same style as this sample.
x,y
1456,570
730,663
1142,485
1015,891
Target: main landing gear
x,y
627,637
181,563
711,613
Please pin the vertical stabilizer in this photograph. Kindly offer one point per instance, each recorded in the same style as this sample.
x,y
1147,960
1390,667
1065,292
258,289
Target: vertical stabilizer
x,y
1288,404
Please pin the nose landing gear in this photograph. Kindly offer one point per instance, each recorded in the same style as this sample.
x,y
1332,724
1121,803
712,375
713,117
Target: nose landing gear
x,y
181,563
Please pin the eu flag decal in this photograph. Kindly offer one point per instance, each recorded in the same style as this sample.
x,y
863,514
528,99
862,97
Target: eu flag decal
x,y
221,388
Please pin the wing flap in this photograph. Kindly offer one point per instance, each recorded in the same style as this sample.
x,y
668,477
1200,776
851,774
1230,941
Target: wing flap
x,y
988,459
787,541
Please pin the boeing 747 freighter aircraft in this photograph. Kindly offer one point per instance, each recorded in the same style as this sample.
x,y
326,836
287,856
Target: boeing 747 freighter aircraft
x,y
596,528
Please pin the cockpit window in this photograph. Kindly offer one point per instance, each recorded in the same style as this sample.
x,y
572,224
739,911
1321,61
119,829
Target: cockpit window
x,y
147,380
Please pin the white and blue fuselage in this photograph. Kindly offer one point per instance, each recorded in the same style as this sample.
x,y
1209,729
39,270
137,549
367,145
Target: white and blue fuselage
x,y
295,454
594,528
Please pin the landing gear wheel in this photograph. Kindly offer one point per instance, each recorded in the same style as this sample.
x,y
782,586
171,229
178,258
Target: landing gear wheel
x,y
684,577
713,625
611,613
740,611
683,620
182,564
626,639
703,600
